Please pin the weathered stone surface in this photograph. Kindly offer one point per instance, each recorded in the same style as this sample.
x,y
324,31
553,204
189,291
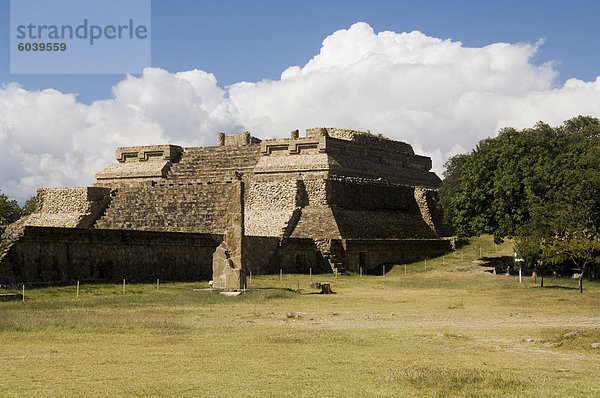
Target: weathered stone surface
x,y
241,139
362,138
229,272
49,254
334,199
139,165
324,286
172,207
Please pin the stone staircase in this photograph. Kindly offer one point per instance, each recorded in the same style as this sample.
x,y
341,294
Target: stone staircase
x,y
335,260
177,208
316,221
214,163
10,235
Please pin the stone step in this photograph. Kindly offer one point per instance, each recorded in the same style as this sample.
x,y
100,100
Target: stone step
x,y
200,208
214,162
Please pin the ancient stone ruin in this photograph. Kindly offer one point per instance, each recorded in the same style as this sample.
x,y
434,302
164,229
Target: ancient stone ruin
x,y
332,200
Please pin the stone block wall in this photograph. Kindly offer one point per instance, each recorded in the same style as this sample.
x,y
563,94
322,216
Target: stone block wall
x,y
139,165
240,139
269,207
316,191
360,137
353,208
298,255
381,224
317,222
413,171
68,200
265,255
228,266
258,254
302,197
179,208
427,200
215,164
46,254
69,207
364,194
370,254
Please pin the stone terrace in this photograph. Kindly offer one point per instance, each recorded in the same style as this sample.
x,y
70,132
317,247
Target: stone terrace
x,y
299,200
214,163
198,207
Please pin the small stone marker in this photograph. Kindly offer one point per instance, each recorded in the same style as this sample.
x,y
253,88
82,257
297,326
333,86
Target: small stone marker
x,y
324,286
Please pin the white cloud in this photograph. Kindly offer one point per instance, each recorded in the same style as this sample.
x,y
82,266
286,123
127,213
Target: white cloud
x,y
49,139
435,94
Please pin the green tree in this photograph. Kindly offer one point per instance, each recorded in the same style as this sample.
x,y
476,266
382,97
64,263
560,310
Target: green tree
x,y
545,174
9,210
580,249
533,184
29,207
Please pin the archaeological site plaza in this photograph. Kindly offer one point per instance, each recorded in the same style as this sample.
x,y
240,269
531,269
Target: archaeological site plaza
x,y
333,200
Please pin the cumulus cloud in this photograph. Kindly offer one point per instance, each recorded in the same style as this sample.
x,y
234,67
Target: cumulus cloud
x,y
437,95
48,139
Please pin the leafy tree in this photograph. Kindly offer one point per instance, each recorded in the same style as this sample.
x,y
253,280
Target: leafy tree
x,y
450,190
29,207
532,184
9,210
543,172
580,249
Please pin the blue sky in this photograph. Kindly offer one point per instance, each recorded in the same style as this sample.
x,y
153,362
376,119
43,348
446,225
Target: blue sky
x,y
254,40
462,71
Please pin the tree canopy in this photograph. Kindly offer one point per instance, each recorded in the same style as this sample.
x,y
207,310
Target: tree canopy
x,y
537,184
10,210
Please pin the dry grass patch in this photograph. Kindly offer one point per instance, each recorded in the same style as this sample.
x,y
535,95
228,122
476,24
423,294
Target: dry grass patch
x,y
438,333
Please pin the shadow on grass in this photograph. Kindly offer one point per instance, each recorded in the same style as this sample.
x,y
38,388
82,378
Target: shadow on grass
x,y
379,270
560,287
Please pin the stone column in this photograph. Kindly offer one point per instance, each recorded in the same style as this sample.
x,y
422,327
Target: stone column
x,y
220,139
229,272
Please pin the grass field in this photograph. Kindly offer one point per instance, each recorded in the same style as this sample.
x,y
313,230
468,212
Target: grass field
x,y
447,331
